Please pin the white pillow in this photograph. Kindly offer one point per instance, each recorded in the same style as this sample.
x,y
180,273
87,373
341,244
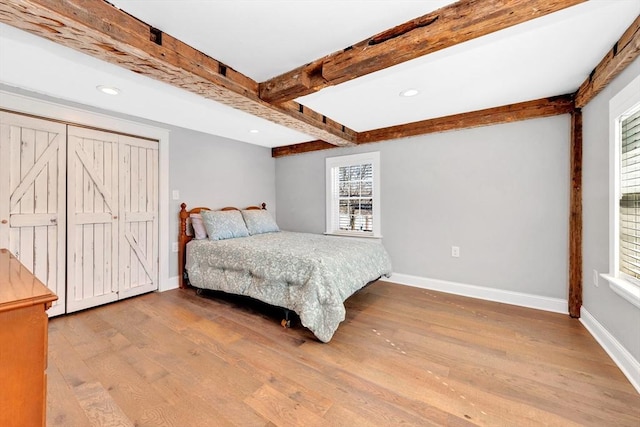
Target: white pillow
x,y
199,231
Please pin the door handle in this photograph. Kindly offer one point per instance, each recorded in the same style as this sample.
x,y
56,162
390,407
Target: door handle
x,y
4,221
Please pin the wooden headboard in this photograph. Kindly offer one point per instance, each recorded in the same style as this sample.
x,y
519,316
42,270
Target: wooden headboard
x,y
183,238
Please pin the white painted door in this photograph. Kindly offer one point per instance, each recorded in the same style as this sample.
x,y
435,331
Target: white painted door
x,y
93,218
138,216
32,198
112,230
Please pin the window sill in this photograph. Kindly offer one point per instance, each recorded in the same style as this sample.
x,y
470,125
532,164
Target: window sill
x,y
357,236
624,288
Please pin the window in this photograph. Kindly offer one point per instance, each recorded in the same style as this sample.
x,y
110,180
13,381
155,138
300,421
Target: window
x,y
353,195
624,233
629,207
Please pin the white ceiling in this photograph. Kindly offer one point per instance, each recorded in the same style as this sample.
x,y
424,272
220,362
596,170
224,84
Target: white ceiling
x,y
548,56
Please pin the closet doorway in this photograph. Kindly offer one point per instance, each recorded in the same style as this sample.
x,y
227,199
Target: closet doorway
x,y
79,207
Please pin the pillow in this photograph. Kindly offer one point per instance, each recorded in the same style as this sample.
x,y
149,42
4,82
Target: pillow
x,y
199,231
222,225
259,221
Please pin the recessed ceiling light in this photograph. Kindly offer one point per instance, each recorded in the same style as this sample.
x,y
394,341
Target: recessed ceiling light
x,y
254,131
409,93
109,90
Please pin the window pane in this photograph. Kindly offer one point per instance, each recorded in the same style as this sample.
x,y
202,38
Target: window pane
x,y
367,189
344,207
343,174
366,206
366,211
630,154
355,189
362,218
367,171
363,171
355,173
344,189
345,215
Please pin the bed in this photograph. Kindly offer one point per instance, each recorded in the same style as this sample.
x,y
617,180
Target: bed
x,y
309,274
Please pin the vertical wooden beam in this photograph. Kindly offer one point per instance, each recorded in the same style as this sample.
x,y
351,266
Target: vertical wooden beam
x,y
575,216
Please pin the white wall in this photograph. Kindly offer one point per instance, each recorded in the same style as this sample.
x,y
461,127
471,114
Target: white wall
x,y
500,193
616,315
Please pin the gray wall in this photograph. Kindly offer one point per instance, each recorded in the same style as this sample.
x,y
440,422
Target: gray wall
x,y
617,315
500,193
217,172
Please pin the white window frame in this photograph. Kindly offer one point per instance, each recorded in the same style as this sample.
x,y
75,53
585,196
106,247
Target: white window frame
x,y
626,101
332,205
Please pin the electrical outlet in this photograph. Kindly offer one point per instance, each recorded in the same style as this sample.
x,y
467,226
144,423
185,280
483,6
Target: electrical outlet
x,y
595,278
174,246
455,251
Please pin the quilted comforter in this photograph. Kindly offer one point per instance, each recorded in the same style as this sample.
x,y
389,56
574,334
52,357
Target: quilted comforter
x,y
308,273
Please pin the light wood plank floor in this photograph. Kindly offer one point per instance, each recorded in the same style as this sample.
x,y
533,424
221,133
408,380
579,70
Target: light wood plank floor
x,y
404,356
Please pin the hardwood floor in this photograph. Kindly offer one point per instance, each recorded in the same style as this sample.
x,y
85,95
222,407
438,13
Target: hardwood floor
x,y
403,356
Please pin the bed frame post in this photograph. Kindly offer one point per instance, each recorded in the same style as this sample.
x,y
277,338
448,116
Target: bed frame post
x,y
286,322
182,244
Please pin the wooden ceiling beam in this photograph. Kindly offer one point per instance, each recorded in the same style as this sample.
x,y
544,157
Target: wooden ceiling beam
x,y
509,113
544,107
450,25
623,52
303,147
307,115
101,30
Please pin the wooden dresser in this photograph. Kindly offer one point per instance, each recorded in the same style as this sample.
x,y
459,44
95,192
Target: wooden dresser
x,y
23,344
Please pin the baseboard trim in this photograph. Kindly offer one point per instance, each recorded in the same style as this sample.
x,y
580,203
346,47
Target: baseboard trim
x,y
556,305
172,283
629,366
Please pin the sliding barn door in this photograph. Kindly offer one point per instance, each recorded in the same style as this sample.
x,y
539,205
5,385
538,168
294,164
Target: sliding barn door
x,y
93,218
112,230
32,198
139,216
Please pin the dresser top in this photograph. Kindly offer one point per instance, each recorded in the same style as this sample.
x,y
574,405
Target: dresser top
x,y
18,287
